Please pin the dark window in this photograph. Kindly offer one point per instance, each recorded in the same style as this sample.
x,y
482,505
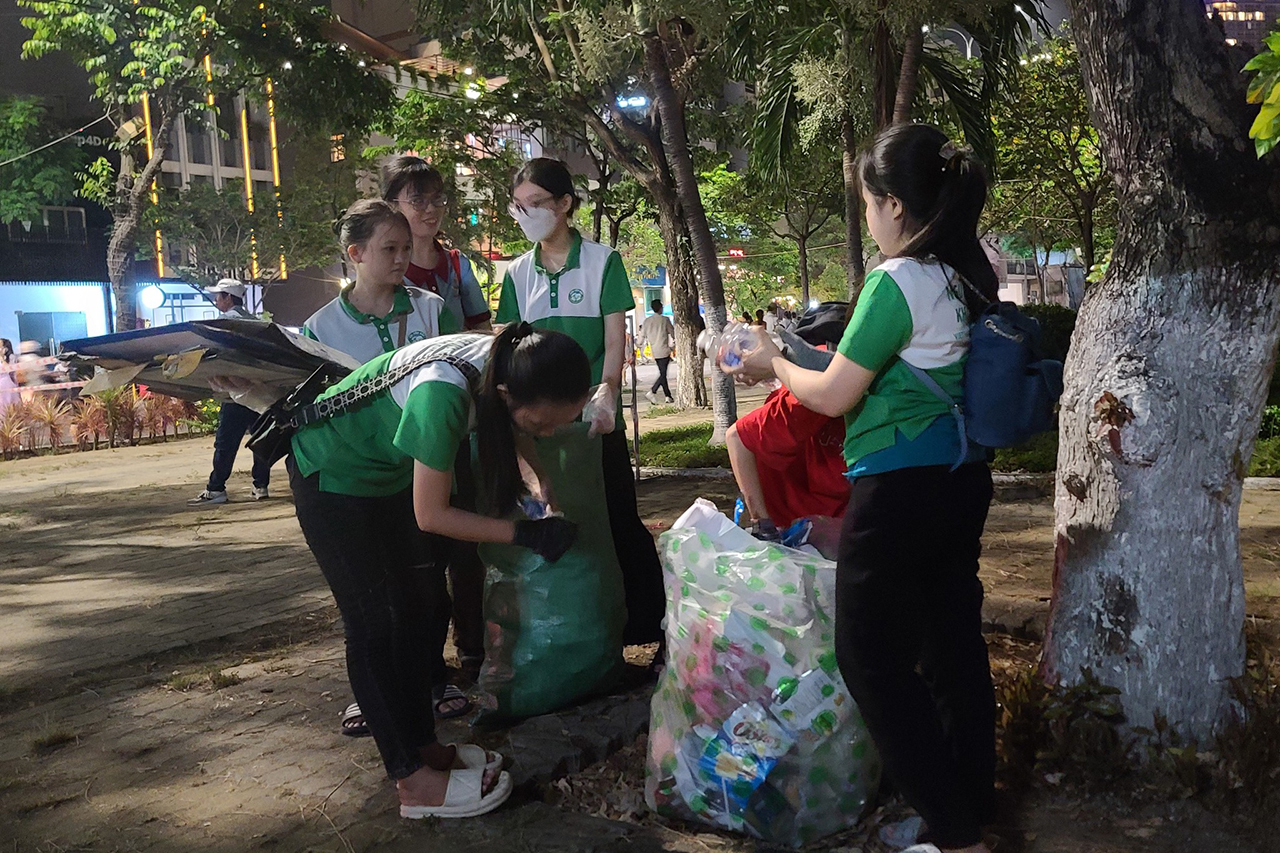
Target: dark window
x,y
199,149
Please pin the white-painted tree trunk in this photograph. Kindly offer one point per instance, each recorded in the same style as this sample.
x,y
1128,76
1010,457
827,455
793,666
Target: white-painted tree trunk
x,y
1167,373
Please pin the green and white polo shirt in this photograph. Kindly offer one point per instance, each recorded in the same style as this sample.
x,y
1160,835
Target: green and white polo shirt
x,y
369,450
575,300
363,336
908,311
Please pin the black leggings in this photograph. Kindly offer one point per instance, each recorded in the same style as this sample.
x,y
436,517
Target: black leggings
x,y
907,593
387,578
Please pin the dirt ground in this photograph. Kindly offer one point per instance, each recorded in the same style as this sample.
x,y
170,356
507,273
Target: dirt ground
x,y
172,680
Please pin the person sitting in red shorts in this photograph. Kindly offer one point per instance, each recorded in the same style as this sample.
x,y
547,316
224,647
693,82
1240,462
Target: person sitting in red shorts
x,y
788,459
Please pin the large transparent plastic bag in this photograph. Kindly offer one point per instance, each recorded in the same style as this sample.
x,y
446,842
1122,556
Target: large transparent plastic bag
x,y
751,726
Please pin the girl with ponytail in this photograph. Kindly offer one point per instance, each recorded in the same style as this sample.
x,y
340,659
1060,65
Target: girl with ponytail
x,y
907,588
372,486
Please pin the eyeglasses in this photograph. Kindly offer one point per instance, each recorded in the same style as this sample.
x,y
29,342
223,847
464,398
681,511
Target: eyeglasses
x,y
422,203
539,204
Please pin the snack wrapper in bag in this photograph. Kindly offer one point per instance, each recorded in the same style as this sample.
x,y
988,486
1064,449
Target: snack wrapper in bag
x,y
752,727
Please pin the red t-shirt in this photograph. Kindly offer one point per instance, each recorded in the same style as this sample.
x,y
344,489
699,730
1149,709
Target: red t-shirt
x,y
799,456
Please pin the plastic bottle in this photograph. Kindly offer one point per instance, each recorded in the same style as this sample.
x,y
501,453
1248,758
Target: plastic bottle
x,y
737,341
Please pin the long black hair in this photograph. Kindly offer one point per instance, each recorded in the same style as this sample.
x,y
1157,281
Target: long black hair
x,y
943,189
535,366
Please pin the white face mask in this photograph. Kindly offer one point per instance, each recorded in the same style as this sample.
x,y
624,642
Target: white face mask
x,y
537,223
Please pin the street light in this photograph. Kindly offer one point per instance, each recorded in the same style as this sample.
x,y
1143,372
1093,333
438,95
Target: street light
x,y
968,40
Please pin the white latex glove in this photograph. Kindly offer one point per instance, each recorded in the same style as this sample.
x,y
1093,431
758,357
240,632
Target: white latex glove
x,y
601,411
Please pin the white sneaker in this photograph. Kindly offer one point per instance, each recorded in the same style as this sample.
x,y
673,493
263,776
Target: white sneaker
x,y
651,397
259,494
208,498
670,401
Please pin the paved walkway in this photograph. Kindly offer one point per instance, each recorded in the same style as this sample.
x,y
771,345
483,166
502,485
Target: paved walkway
x,y
102,561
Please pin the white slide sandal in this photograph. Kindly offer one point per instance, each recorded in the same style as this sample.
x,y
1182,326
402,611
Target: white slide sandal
x,y
464,797
476,756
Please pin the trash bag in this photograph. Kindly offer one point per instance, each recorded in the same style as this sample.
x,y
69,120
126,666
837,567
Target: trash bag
x,y
553,631
751,726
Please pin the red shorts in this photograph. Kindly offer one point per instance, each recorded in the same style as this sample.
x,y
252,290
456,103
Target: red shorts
x,y
799,456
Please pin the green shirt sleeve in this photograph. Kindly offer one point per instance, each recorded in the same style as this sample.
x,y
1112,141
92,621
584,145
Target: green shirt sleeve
x,y
433,424
615,292
508,307
881,326
446,321
307,333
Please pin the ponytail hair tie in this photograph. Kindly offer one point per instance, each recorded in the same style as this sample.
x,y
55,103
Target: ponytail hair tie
x,y
954,158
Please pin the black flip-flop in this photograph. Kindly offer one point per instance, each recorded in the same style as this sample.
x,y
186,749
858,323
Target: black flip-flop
x,y
350,726
451,693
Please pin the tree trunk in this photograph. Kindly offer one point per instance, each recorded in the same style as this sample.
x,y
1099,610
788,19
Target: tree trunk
x,y
691,390
1087,245
908,76
1167,372
802,247
133,193
675,140
855,265
615,231
884,70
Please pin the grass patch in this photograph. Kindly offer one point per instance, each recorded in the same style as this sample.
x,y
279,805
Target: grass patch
x,y
659,411
682,447
210,677
1037,456
51,736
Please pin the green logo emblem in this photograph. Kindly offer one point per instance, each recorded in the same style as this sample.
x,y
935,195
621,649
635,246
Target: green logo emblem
x,y
576,296
414,337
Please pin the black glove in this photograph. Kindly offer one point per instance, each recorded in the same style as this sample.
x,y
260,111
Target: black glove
x,y
765,531
547,537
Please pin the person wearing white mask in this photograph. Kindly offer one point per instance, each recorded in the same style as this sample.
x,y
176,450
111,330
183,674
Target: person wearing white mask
x,y
579,287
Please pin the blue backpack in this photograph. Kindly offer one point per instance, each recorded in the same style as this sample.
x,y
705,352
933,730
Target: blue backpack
x,y
1009,390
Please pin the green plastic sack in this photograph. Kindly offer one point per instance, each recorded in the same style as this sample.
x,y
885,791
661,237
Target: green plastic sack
x,y
554,630
751,727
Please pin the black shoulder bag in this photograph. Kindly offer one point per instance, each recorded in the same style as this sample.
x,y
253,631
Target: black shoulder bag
x,y
271,436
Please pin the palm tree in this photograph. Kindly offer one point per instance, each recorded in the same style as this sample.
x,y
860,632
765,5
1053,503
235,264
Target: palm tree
x,y
882,61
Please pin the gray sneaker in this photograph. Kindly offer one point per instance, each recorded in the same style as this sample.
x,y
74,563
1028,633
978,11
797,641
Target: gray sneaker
x,y
208,498
259,494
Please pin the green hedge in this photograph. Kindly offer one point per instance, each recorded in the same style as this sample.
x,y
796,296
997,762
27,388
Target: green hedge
x,y
1056,325
686,447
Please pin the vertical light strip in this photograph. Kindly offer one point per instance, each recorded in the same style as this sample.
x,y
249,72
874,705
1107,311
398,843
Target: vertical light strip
x,y
248,185
155,199
275,168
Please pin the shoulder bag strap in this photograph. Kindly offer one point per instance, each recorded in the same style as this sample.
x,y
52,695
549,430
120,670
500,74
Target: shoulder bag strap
x,y
404,322
340,402
952,406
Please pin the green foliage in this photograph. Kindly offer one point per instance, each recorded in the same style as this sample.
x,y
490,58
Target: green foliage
x,y
1264,89
454,126
682,447
204,417
1037,456
1054,190
1074,733
1270,422
1266,458
46,177
1056,325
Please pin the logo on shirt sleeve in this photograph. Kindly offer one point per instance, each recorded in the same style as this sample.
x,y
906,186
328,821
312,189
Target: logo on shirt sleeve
x,y
576,295
416,336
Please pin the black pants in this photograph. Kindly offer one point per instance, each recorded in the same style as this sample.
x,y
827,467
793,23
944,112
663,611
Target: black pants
x,y
637,553
907,593
663,364
387,577
466,572
234,421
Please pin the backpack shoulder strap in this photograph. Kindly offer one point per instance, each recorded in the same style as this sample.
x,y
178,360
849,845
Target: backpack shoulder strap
x,y
952,405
